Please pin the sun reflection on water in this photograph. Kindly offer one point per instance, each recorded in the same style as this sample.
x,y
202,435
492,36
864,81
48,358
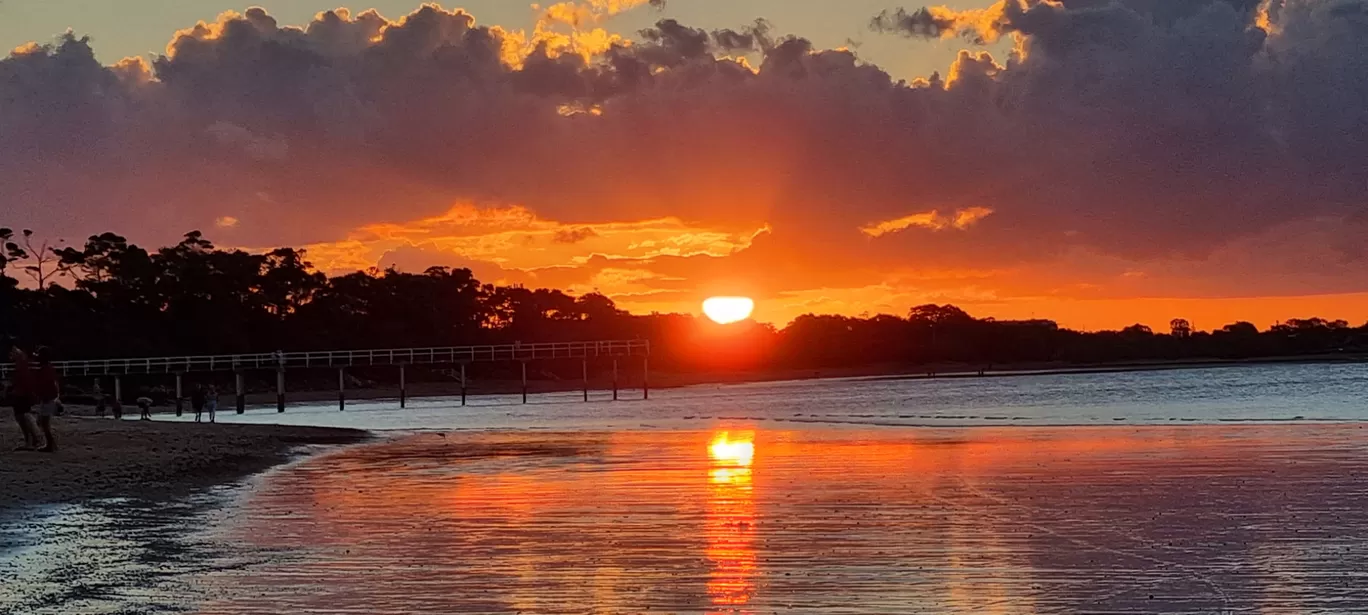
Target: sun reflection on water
x,y
726,451
730,521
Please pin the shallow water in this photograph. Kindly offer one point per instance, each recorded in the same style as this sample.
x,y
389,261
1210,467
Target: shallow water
x,y
1174,520
807,497
115,556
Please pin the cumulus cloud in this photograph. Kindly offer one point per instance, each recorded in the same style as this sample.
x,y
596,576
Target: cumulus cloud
x,y
1140,130
755,37
933,22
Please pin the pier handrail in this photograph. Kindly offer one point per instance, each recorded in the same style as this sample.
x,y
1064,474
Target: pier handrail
x,y
348,358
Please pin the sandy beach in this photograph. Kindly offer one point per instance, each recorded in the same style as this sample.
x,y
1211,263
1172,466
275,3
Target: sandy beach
x,y
107,458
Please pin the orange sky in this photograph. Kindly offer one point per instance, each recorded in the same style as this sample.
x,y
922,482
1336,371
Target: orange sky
x,y
624,260
1180,164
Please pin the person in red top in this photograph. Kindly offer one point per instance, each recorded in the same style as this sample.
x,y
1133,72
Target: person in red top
x,y
46,391
21,399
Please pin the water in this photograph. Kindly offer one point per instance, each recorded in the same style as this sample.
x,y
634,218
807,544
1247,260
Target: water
x,y
117,556
1194,491
1212,395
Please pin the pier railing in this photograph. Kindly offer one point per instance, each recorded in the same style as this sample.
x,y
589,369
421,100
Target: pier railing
x,y
280,362
349,358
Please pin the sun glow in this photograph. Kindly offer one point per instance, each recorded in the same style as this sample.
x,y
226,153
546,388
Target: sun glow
x,y
726,310
726,451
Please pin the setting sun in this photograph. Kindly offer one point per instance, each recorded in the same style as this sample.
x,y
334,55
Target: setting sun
x,y
726,310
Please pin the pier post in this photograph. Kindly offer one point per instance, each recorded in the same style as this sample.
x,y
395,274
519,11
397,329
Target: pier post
x,y
615,376
524,378
241,393
280,389
180,396
586,379
341,388
118,398
645,378
403,388
463,385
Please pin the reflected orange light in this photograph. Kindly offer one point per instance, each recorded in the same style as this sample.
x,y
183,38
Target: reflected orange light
x,y
738,452
730,521
730,475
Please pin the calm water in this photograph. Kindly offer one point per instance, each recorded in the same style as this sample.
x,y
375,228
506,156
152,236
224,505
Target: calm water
x,y
791,497
1253,393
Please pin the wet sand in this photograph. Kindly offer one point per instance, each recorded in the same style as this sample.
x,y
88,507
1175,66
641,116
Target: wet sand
x,y
1193,519
144,459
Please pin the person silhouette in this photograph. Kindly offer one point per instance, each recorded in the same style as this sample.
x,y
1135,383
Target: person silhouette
x,y
21,398
47,391
197,399
211,401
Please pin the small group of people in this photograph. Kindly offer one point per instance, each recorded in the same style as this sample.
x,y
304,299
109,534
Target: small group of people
x,y
202,399
35,398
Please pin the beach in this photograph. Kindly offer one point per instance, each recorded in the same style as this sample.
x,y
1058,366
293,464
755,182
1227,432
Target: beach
x,y
145,459
1198,491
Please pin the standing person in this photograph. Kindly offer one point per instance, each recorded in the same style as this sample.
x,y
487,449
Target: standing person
x,y
211,401
47,391
197,401
21,399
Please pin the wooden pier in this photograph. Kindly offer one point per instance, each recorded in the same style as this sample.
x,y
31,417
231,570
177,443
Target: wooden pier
x,y
281,362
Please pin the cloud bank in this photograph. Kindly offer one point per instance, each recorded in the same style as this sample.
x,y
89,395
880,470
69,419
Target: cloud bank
x,y
1116,136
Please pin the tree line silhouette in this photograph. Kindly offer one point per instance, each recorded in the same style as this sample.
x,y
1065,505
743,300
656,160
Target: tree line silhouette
x,y
116,299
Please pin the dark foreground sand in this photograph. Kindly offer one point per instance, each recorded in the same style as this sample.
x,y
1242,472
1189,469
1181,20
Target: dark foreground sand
x,y
107,458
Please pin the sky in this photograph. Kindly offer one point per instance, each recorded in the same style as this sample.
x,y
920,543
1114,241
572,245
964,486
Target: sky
x,y
1096,162
122,28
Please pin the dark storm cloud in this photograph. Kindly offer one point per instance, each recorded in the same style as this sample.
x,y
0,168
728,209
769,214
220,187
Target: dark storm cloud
x,y
1139,128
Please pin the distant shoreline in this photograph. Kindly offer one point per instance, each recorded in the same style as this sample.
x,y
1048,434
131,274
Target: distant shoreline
x,y
629,385
963,370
